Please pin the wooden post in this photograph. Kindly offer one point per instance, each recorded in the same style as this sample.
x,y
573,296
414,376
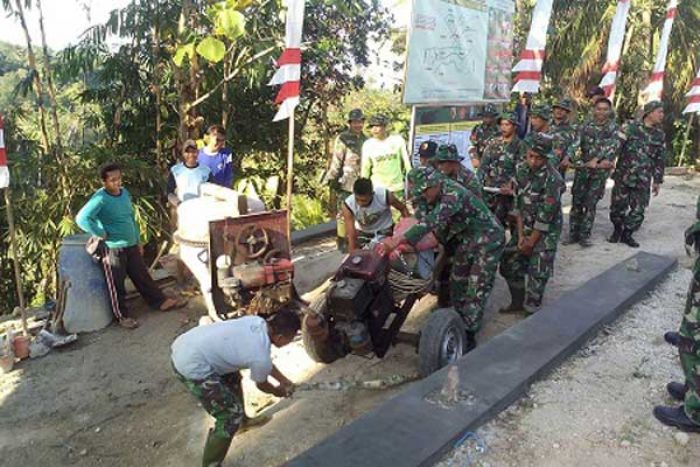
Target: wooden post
x,y
685,139
290,177
13,246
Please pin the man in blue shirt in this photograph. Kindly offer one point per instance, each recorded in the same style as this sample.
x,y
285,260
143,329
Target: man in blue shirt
x,y
109,215
186,177
218,158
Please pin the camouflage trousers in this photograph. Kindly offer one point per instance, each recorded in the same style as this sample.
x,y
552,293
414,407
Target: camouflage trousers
x,y
588,189
222,397
471,280
530,273
689,347
500,206
627,206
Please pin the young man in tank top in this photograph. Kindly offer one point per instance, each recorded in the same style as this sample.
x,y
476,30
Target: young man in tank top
x,y
367,213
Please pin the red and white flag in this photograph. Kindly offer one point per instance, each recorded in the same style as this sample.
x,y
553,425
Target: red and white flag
x,y
654,89
289,72
693,96
529,68
4,171
615,41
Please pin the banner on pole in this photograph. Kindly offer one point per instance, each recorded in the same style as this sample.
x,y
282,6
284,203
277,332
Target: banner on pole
x,y
654,90
4,171
459,51
617,38
693,96
289,72
529,69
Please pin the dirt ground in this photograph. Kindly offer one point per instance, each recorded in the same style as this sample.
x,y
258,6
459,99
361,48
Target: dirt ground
x,y
111,398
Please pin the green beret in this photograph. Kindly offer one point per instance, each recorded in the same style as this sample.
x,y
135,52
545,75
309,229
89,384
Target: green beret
x,y
565,104
649,107
421,178
448,152
540,110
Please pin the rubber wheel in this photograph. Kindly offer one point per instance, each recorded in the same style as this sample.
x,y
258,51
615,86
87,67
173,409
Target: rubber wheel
x,y
326,351
442,341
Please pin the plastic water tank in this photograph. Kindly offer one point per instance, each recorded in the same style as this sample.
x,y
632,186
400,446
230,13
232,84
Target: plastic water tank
x,y
87,301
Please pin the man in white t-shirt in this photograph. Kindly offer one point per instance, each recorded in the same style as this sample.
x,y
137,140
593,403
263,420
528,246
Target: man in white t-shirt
x,y
385,159
367,213
208,360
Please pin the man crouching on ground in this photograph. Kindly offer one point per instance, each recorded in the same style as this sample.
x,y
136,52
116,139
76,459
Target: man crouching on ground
x,y
208,360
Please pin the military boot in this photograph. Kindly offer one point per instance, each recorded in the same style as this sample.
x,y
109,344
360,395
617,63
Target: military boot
x,y
585,242
676,390
517,297
573,238
675,416
471,342
215,450
672,337
627,239
616,235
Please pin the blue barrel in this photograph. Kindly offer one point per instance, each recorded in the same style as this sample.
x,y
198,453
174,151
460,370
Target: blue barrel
x,y
87,301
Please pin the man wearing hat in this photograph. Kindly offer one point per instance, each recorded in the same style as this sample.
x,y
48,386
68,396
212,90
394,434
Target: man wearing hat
x,y
426,153
639,168
482,133
594,93
345,166
385,158
600,145
185,178
540,115
501,156
466,227
450,164
528,262
565,135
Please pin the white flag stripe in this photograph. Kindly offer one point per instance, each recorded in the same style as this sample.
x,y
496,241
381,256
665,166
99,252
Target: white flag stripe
x,y
608,79
286,109
527,85
286,73
295,23
528,65
4,176
692,108
654,90
617,38
536,41
694,91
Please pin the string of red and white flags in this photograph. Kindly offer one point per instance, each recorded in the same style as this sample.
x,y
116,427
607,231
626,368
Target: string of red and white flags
x,y
615,41
654,89
694,96
4,171
529,67
289,72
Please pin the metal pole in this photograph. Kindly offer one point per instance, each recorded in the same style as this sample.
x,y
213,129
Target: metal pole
x,y
290,177
18,276
685,139
412,132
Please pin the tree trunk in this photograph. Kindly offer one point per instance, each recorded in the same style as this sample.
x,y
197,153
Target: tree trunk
x,y
48,74
38,87
162,163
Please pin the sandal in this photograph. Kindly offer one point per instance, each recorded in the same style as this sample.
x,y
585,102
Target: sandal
x,y
175,303
128,323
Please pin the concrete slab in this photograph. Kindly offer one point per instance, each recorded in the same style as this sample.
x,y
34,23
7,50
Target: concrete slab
x,y
409,430
313,232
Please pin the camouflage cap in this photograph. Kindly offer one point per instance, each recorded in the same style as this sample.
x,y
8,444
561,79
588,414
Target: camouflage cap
x,y
448,153
541,110
421,178
542,144
190,143
509,116
427,149
565,103
356,115
649,107
489,111
378,120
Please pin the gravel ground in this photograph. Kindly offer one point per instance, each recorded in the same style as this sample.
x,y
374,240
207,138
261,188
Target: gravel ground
x,y
595,410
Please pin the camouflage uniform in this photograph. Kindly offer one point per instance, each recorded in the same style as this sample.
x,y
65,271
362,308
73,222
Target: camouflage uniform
x,y
465,177
538,202
344,171
543,112
222,397
565,134
689,345
601,142
642,160
464,224
482,133
498,169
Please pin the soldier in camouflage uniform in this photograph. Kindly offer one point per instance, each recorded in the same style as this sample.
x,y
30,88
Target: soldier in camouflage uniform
x,y
641,164
450,164
600,145
465,226
501,157
482,133
565,135
687,416
528,262
345,167
208,359
540,115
